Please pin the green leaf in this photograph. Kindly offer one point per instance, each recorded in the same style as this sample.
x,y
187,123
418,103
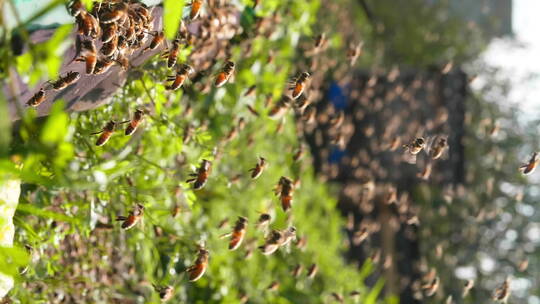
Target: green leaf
x,y
374,293
172,14
11,258
55,129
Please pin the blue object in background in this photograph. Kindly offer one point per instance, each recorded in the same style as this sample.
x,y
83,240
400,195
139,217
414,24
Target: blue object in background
x,y
337,97
336,155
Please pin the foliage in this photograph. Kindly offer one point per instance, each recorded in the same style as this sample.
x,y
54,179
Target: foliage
x,y
72,190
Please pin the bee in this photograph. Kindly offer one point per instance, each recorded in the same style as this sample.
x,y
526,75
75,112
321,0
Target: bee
x,y
354,52
250,91
277,239
312,271
336,296
469,284
337,121
413,148
109,48
298,84
196,6
199,179
172,54
274,286
280,107
89,56
252,110
259,168
134,122
225,74
109,32
297,270
501,293
181,75
133,218
431,287
529,167
238,233
119,12
63,82
285,190
159,37
438,147
197,270
37,99
102,66
87,24
320,41
106,133
76,8
309,115
264,220
298,154
426,172
165,292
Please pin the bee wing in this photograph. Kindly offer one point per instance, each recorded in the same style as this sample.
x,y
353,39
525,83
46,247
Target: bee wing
x,y
408,157
430,142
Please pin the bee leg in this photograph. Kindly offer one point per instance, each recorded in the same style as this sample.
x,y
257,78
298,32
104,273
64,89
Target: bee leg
x,y
95,133
191,180
121,218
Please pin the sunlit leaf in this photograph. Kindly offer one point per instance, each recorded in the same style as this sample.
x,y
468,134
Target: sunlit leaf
x,y
172,14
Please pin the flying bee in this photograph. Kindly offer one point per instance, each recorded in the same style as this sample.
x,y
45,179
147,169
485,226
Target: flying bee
x,y
285,190
280,107
134,122
253,111
297,270
159,37
238,233
431,287
337,297
277,239
320,42
264,220
337,121
172,53
529,167
63,82
199,179
501,293
274,286
225,74
354,52
37,99
133,218
181,75
196,6
438,147
165,292
469,284
298,84
298,154
119,12
106,133
103,65
197,270
309,114
302,103
250,91
413,148
259,168
312,271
